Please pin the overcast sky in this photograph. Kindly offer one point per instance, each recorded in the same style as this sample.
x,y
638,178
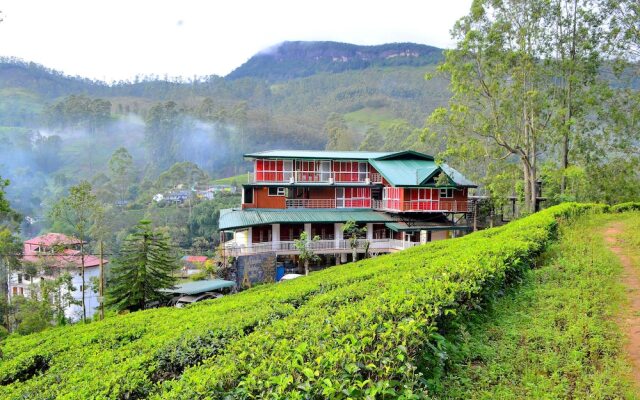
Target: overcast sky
x,y
117,39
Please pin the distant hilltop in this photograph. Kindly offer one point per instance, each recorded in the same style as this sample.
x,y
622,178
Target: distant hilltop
x,y
299,59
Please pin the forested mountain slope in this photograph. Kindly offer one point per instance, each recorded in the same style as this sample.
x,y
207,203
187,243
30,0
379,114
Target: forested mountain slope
x,y
290,60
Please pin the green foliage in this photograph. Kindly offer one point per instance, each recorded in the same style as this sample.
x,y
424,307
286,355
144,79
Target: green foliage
x,y
624,207
164,121
121,171
80,210
555,336
145,266
32,315
79,111
338,136
306,255
185,173
341,332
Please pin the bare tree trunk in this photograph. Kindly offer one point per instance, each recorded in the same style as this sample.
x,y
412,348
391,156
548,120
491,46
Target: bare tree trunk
x,y
306,267
527,184
565,142
534,177
84,307
101,283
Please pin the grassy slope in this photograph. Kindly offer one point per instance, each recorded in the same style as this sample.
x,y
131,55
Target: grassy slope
x,y
238,180
555,337
359,329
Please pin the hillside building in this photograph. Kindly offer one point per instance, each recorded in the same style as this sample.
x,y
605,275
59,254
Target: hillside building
x,y
402,198
53,254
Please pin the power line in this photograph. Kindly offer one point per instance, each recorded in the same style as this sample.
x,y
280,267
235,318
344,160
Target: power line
x,y
57,255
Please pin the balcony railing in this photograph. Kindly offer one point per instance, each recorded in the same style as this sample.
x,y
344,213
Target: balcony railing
x,y
310,203
321,246
292,177
461,206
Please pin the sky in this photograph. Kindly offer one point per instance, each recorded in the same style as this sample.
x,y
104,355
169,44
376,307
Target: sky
x,y
116,40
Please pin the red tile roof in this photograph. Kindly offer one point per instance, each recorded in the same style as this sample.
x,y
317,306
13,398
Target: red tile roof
x,y
195,258
50,239
67,258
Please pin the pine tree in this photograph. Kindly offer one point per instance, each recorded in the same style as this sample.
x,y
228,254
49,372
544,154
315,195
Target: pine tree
x,y
145,266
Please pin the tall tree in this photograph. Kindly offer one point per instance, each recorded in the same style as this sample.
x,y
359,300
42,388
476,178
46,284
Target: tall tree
x,y
145,266
338,136
10,249
354,233
80,210
518,75
307,255
163,123
121,172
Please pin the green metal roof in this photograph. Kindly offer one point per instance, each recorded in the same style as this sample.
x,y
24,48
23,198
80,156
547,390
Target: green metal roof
x,y
405,172
200,286
319,154
234,218
457,177
416,172
426,226
407,154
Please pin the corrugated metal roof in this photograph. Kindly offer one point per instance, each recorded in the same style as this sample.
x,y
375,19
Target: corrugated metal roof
x,y
234,218
405,172
200,286
319,154
457,177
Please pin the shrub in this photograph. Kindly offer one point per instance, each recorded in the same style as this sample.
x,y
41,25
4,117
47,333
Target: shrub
x,y
368,329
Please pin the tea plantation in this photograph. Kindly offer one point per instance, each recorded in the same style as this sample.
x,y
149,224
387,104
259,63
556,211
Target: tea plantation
x,y
378,328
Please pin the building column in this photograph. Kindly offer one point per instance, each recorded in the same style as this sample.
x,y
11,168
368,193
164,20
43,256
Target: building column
x,y
337,234
275,236
369,232
307,230
250,237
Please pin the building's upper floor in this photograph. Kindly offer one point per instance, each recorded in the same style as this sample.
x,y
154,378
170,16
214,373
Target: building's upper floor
x,y
58,250
389,181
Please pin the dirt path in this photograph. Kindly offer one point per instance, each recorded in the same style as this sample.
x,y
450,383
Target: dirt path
x,y
631,280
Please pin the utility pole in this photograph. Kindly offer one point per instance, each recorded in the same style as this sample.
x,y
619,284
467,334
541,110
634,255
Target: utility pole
x,y
101,288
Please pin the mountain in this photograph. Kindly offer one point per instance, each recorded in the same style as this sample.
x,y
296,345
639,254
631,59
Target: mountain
x,y
291,60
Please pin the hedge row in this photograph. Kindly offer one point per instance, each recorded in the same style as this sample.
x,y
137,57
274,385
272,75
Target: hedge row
x,y
623,207
366,329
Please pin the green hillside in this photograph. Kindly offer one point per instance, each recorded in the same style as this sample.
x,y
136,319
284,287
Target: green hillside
x,y
383,327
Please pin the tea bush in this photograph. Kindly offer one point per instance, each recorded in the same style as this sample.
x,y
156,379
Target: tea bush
x,y
373,328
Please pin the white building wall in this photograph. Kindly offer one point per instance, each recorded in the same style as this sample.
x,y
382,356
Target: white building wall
x,y
74,312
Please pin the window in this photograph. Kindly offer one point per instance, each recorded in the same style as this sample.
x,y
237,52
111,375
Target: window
x,y
287,168
362,171
353,197
277,191
446,193
325,171
248,195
